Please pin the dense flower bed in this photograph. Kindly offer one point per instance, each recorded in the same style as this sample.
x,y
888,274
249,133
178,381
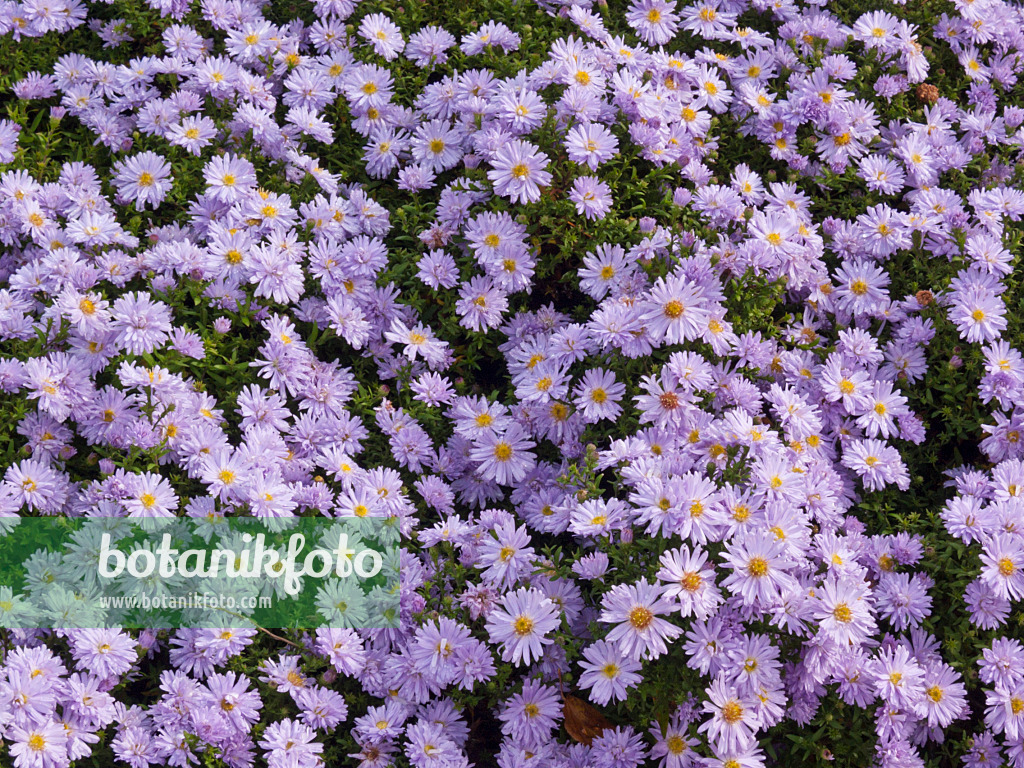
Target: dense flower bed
x,y
680,340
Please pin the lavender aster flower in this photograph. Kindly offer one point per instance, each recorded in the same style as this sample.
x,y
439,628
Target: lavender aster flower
x,y
517,171
520,625
593,198
144,179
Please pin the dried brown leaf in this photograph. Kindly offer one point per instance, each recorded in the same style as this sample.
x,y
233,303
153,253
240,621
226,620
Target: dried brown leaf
x,y
583,722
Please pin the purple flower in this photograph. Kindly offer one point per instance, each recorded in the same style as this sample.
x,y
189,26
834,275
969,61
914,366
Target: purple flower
x,y
504,458
608,673
291,744
590,144
733,722
759,568
383,34
8,140
437,269
655,21
142,324
229,177
640,633
144,179
618,747
39,746
106,653
676,312
530,716
521,623
429,45
1003,566
592,197
517,172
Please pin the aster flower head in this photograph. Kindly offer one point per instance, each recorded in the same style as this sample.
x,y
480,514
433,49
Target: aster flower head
x,y
518,171
144,179
844,610
383,34
899,678
733,722
607,673
593,197
690,578
1002,559
104,652
677,310
40,746
945,697
598,395
521,624
636,610
229,177
505,458
142,324
429,46
655,21
590,144
531,715
291,744
759,568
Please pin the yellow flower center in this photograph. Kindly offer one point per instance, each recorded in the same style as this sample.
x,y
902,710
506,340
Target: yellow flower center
x,y
640,617
732,712
674,309
523,626
757,567
842,613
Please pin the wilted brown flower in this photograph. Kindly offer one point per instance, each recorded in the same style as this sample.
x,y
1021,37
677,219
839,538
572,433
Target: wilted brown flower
x,y
927,93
